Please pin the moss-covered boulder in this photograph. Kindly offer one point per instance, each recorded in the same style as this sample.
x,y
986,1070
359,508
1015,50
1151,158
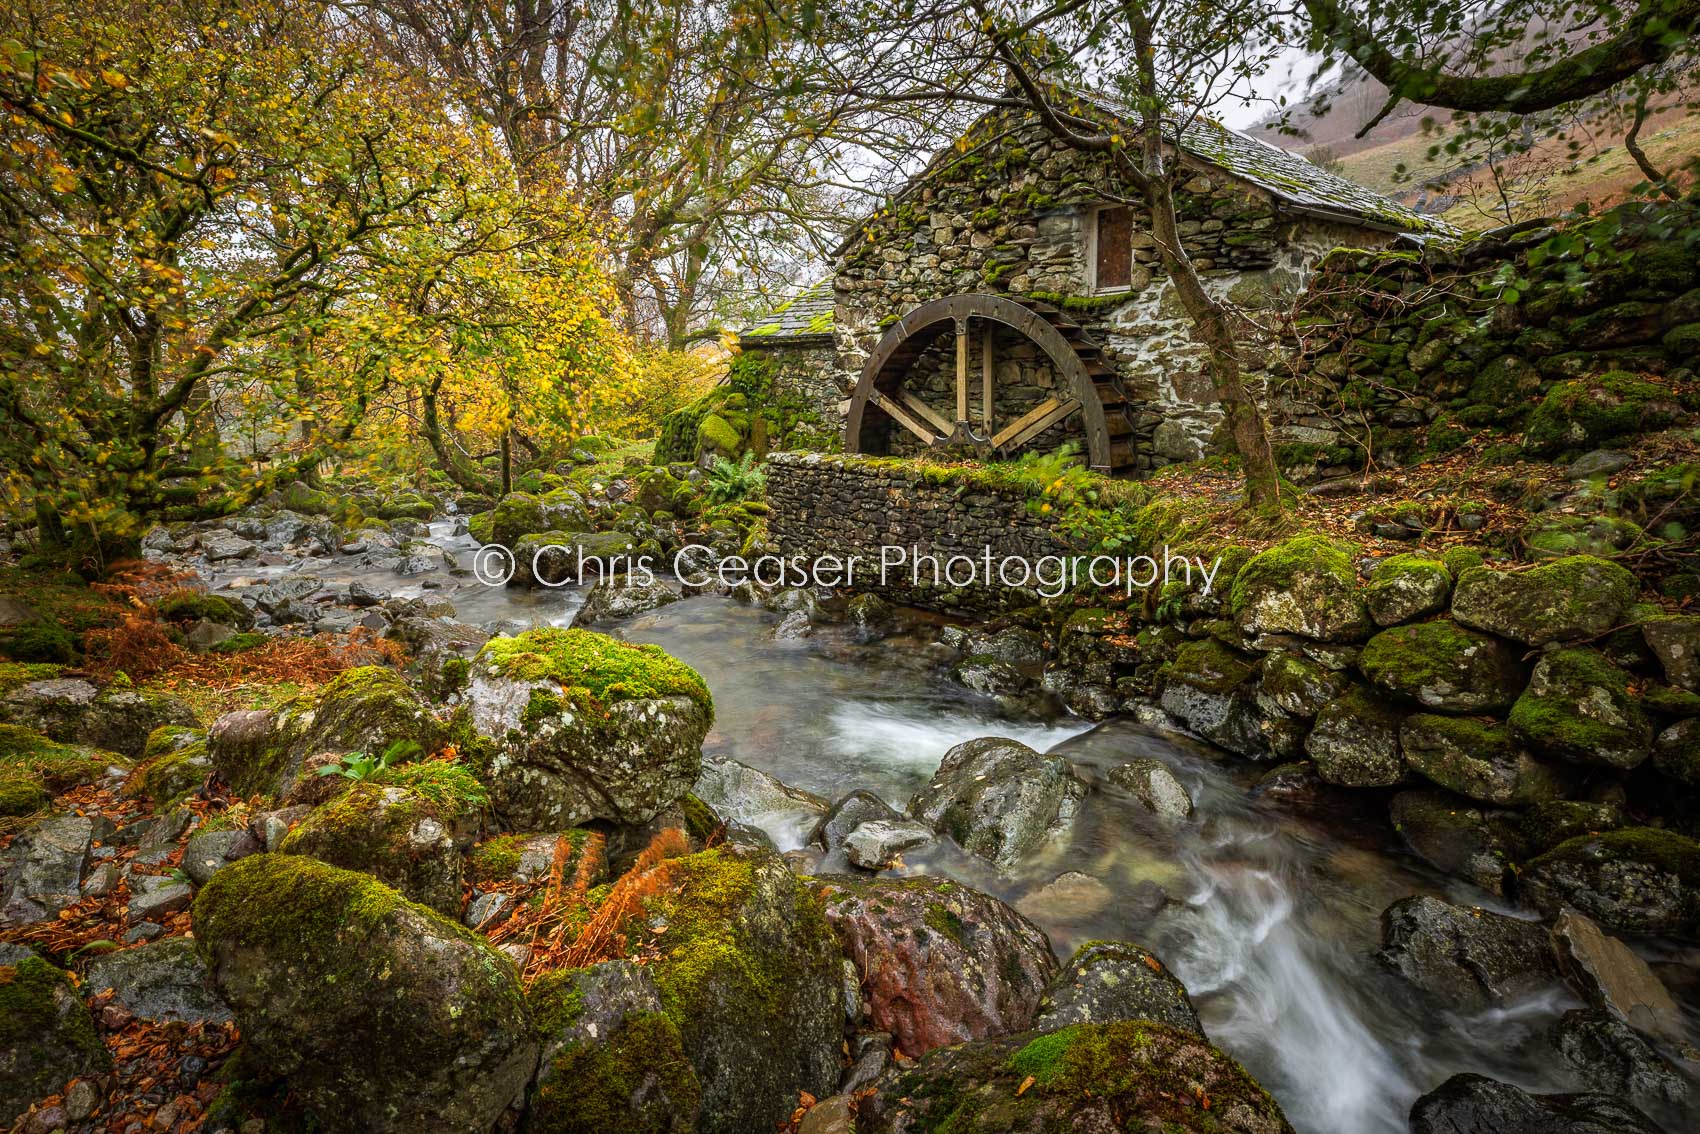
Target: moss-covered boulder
x,y
1575,597
1296,686
74,711
999,799
1306,586
574,725
1634,880
1578,707
175,762
523,513
1125,1076
1478,759
612,1059
750,974
34,769
558,558
1586,412
1554,537
378,1014
1404,587
1108,981
1444,667
1355,741
939,963
360,710
1458,837
1212,689
405,837
46,1033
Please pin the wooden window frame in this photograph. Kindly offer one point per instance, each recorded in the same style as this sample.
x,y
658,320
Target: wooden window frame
x,y
1092,214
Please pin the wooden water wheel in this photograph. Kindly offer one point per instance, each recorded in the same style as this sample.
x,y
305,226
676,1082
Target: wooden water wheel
x,y
1087,384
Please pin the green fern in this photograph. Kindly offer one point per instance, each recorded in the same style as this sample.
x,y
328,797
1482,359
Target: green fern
x,y
727,481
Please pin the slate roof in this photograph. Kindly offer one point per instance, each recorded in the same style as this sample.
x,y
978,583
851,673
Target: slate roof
x,y
806,315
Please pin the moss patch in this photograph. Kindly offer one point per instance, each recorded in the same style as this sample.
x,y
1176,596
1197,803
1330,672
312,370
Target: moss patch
x,y
638,1081
594,670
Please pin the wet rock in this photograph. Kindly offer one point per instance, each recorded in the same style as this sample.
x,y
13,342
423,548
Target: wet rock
x,y
1306,586
74,711
219,546
152,896
379,1014
1456,837
748,795
208,853
1676,752
1545,825
360,710
1404,587
1479,760
871,618
879,843
1633,880
846,815
1463,957
1611,976
1107,981
1570,598
434,640
1610,1056
1153,785
44,869
939,963
610,1054
793,627
399,836
622,596
1578,707
160,982
46,1034
1013,645
1075,896
585,727
999,799
1675,641
1126,1076
1210,689
1475,1104
1444,668
1355,742
750,974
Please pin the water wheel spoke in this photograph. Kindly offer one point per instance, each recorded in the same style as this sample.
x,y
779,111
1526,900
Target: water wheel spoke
x,y
925,412
1034,422
895,408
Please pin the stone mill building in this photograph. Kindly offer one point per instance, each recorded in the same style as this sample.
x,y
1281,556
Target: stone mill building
x,y
1009,297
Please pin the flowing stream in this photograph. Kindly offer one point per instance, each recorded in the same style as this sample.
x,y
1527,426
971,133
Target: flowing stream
x,y
1266,908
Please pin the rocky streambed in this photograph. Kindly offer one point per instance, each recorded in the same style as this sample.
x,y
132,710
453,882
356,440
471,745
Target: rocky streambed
x,y
918,890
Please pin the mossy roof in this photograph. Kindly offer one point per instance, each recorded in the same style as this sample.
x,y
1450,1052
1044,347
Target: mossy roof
x,y
806,315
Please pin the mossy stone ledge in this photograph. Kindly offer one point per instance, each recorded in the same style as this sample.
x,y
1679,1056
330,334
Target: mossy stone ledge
x,y
1633,880
1444,667
1307,585
1578,707
1480,760
1567,599
571,725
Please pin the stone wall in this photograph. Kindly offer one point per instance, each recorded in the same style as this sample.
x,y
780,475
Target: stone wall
x,y
830,505
1008,212
810,371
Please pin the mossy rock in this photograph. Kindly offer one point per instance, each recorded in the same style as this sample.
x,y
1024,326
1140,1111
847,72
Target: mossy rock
x,y
1587,412
1297,686
1458,836
40,645
1633,880
1676,752
1570,598
175,762
1578,707
46,1033
34,769
1478,759
379,1014
1355,741
1444,667
1130,1075
751,976
1307,586
192,606
1545,825
75,711
529,857
523,513
1558,536
1404,587
1211,688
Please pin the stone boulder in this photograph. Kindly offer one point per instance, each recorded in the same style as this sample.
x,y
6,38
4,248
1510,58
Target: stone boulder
x,y
750,796
368,709
848,813
879,844
161,982
1456,837
584,727
1675,641
379,1014
1355,742
1475,1104
1633,880
622,596
44,869
1444,668
1578,707
75,711
46,1033
1612,1057
1125,1076
939,963
612,1060
750,974
1404,587
1108,981
174,762
1479,760
1211,689
870,617
1465,958
1567,599
1154,786
1611,976
999,799
404,838
1307,586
